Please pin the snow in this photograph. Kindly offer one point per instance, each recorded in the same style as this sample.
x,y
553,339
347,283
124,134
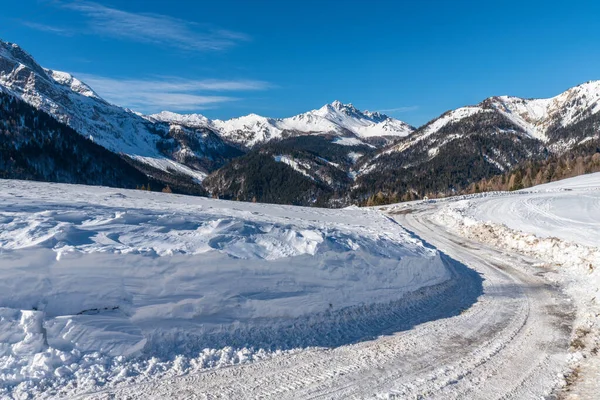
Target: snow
x,y
168,165
298,166
493,162
450,118
354,156
75,104
364,125
536,116
349,141
73,83
70,101
559,224
433,127
100,286
335,118
432,152
191,120
529,115
495,330
329,162
572,214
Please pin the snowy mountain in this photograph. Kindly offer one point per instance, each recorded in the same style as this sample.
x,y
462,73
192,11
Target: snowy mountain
x,y
334,155
446,155
35,146
540,119
342,120
475,142
171,149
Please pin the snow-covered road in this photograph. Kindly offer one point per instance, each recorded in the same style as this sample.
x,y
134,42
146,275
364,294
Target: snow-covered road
x,y
512,343
558,224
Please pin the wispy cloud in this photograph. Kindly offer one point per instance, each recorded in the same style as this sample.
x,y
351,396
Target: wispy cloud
x,y
48,28
165,93
153,28
399,109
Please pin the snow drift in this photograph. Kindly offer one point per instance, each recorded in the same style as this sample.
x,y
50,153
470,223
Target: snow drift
x,y
92,277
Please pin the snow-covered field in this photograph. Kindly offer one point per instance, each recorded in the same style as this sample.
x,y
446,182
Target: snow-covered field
x,y
102,286
572,214
558,224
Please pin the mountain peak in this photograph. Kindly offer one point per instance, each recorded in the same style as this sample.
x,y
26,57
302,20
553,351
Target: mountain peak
x,y
337,104
337,107
15,54
586,88
9,45
52,91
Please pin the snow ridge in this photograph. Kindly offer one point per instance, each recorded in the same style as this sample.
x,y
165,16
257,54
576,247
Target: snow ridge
x,y
537,116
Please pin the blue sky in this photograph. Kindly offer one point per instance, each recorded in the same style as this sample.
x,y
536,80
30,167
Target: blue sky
x,y
411,59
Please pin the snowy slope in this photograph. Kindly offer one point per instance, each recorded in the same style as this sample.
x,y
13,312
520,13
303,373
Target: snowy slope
x,y
535,118
336,118
477,142
119,130
434,126
567,209
90,274
72,102
539,116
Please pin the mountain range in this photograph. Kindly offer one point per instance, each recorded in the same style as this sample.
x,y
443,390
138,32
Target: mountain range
x,y
332,156
475,142
342,120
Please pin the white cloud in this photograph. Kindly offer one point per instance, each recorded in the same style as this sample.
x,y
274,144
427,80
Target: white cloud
x,y
153,28
399,109
47,28
164,93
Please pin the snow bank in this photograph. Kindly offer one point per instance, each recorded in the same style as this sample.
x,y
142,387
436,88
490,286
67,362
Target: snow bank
x,y
101,285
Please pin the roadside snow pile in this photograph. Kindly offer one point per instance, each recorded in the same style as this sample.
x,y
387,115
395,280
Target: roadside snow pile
x,y
565,253
100,286
558,223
